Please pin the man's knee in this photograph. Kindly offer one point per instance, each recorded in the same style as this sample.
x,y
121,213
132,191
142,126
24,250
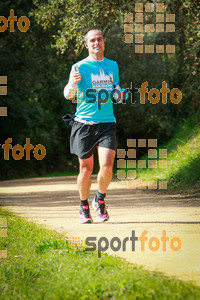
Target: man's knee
x,y
86,171
106,158
107,165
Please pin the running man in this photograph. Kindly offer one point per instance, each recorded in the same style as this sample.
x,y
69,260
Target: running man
x,y
94,125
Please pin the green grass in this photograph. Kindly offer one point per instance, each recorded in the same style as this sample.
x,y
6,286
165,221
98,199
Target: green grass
x,y
183,168
41,265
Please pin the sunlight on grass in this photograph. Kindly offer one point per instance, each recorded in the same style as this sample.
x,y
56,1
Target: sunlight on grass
x,y
183,162
41,265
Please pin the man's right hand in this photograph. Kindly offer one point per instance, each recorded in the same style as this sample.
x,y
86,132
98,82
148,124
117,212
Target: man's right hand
x,y
76,77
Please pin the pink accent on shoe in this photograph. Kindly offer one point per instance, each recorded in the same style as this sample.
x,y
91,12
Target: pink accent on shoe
x,y
103,216
84,207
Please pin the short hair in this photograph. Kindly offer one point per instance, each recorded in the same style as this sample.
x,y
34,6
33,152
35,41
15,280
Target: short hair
x,y
86,35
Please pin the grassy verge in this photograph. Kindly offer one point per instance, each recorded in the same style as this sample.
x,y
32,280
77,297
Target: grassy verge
x,y
41,265
183,161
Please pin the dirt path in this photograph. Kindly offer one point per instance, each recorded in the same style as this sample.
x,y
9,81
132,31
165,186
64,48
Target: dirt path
x,y
55,202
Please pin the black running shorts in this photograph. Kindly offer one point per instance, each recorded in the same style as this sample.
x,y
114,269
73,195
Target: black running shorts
x,y
84,138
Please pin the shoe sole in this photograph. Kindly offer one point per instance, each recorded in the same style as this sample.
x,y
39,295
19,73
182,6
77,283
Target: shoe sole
x,y
88,221
100,220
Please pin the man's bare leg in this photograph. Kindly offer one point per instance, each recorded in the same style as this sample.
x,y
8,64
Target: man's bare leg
x,y
84,184
84,177
106,160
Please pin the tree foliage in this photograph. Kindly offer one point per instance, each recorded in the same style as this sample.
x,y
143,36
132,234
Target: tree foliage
x,y
38,63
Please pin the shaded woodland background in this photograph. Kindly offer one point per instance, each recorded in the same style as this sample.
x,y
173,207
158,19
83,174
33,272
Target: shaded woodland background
x,y
38,63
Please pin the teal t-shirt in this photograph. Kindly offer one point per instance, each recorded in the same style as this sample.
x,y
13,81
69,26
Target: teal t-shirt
x,y
96,75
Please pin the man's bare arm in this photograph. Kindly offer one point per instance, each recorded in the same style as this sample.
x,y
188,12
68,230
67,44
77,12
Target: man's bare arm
x,y
71,88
